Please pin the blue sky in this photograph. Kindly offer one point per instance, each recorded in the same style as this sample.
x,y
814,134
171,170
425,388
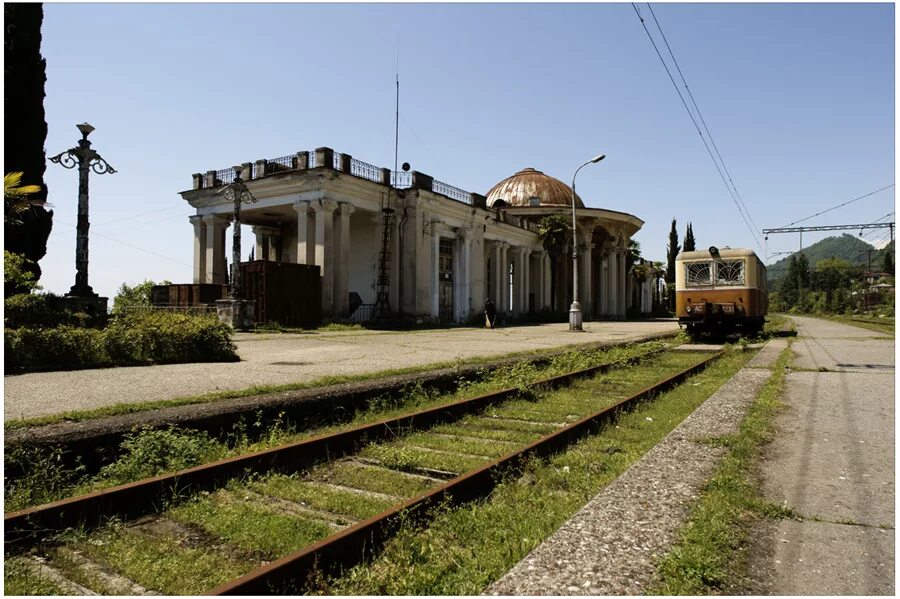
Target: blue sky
x,y
799,98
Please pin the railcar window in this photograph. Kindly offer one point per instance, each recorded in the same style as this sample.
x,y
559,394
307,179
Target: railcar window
x,y
698,273
730,272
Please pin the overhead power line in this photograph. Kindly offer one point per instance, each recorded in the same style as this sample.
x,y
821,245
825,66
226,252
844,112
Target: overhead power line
x,y
738,202
871,193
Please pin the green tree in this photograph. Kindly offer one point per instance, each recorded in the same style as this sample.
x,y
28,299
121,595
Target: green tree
x,y
135,296
553,230
26,131
17,277
672,249
803,272
888,264
690,244
790,289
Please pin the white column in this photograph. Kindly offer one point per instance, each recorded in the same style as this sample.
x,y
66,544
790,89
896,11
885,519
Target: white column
x,y
469,289
306,233
613,282
623,276
435,274
527,281
215,248
199,249
498,278
588,305
504,273
342,260
261,252
324,250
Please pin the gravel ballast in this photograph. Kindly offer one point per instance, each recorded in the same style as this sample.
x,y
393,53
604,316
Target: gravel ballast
x,y
611,546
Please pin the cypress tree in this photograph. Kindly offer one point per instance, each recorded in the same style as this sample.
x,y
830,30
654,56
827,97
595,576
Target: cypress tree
x,y
888,264
672,249
690,243
26,129
789,285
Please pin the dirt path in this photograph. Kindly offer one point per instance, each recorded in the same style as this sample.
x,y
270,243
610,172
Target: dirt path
x,y
832,462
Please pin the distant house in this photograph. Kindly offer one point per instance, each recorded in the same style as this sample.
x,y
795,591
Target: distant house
x,y
433,251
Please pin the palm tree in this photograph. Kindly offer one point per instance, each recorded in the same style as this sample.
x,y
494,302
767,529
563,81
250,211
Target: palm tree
x,y
17,198
554,230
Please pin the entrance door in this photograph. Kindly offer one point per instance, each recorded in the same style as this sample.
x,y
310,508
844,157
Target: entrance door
x,y
445,281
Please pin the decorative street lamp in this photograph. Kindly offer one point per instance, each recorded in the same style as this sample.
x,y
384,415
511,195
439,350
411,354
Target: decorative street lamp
x,y
85,158
238,193
236,310
575,309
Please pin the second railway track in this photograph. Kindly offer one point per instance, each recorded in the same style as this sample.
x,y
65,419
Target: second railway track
x,y
267,521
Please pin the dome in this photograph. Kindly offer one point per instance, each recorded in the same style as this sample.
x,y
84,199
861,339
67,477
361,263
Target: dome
x,y
530,187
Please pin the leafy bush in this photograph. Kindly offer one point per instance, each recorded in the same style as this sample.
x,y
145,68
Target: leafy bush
x,y
154,451
137,296
40,310
134,339
17,278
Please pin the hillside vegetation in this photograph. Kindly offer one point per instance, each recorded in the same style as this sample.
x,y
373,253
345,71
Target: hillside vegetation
x,y
846,247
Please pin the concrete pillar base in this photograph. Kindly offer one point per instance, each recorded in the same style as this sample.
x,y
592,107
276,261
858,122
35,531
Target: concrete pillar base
x,y
236,313
91,304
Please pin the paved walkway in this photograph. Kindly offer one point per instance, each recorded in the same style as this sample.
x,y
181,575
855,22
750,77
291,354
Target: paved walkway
x,y
610,547
833,463
271,359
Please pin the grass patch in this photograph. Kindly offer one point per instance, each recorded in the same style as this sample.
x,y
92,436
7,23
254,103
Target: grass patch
x,y
379,480
162,564
249,527
409,459
19,578
466,548
320,496
706,560
882,325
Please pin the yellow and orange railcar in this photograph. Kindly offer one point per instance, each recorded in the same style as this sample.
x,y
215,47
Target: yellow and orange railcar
x,y
721,290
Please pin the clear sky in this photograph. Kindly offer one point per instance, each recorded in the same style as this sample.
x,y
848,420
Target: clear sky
x,y
799,98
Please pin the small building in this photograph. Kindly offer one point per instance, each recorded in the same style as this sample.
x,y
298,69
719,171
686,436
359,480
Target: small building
x,y
429,250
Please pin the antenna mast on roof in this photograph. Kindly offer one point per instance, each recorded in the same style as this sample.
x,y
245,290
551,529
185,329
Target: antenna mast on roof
x,y
383,284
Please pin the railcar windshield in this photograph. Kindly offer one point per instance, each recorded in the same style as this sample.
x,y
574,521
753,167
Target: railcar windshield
x,y
722,272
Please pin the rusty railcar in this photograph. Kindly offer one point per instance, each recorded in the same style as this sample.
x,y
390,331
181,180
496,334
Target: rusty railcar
x,y
721,290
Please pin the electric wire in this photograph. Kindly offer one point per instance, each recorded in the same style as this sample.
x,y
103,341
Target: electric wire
x,y
702,120
839,205
753,233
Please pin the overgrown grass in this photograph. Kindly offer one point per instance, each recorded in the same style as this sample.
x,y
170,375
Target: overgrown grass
x,y
321,496
465,548
707,558
249,527
882,325
162,563
20,579
151,452
576,355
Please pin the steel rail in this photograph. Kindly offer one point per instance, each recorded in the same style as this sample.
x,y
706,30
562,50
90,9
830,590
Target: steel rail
x,y
354,544
132,500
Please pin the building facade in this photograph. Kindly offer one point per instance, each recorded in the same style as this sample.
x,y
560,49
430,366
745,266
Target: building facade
x,y
433,251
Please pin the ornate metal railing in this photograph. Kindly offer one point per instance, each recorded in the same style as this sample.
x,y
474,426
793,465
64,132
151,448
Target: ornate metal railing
x,y
336,163
224,176
282,163
401,179
450,191
364,170
312,160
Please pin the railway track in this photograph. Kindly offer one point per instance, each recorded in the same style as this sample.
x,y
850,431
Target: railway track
x,y
276,517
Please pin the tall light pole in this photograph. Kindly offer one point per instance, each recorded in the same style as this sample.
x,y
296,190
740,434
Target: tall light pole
x,y
575,309
236,311
238,193
86,159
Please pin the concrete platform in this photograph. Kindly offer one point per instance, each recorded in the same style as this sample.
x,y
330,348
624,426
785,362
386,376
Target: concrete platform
x,y
272,359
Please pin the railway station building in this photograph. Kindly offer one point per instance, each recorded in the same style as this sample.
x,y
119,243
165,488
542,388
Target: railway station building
x,y
434,251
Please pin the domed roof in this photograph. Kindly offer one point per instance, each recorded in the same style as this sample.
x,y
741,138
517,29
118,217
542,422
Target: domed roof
x,y
530,187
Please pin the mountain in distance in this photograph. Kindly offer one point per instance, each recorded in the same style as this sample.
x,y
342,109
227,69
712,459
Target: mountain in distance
x,y
847,247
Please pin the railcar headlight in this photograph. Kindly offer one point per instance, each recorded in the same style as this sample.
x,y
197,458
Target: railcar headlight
x,y
689,309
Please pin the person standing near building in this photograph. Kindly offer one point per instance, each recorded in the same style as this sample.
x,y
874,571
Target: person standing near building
x,y
490,313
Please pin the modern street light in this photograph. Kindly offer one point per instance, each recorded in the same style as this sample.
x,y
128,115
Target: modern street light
x,y
238,193
575,310
86,159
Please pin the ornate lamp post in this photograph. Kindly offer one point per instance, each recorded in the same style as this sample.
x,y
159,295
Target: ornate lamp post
x,y
575,309
86,159
236,310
